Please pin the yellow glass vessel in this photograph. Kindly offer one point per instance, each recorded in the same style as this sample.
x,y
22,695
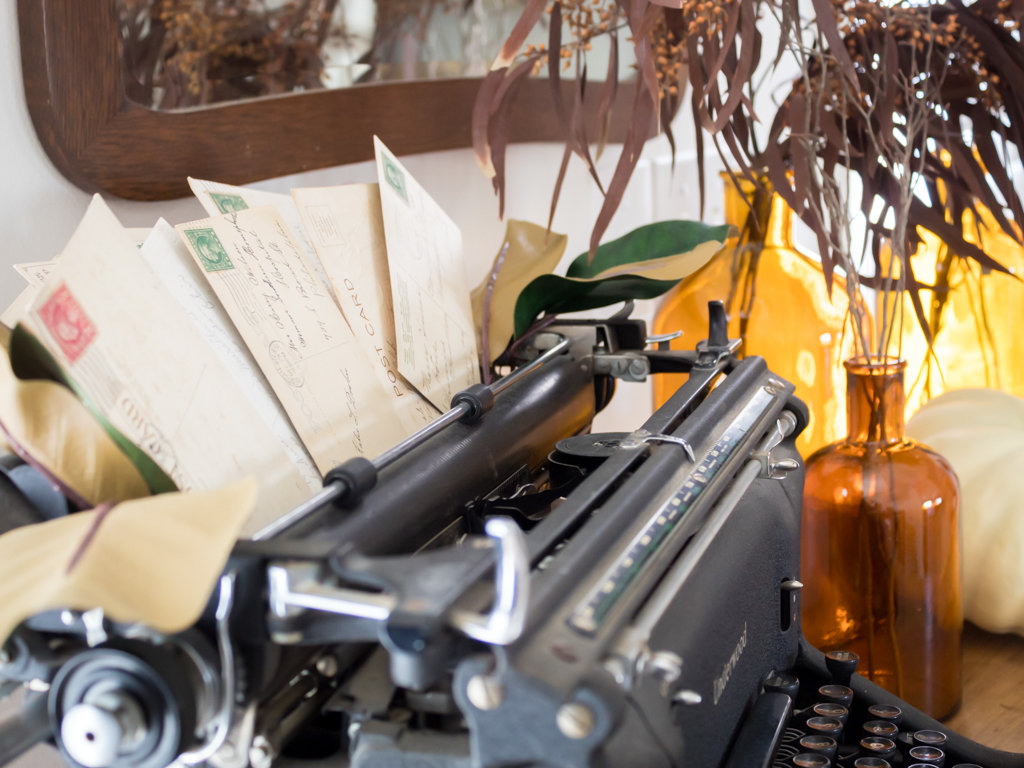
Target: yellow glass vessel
x,y
977,323
777,305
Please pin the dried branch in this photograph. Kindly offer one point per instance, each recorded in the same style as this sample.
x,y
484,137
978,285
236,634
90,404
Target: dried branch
x,y
919,70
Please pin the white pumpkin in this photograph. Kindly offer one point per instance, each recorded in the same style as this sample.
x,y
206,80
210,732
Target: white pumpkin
x,y
981,433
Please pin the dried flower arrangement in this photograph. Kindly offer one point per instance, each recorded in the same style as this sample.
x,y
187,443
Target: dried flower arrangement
x,y
703,43
905,97
658,36
902,95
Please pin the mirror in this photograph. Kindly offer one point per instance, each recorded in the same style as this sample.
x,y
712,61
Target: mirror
x,y
180,54
130,97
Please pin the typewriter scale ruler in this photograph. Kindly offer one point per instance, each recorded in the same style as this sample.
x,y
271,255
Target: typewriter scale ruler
x,y
589,614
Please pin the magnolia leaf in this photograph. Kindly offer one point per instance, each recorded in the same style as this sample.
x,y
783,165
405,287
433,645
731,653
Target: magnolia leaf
x,y
532,252
153,561
48,427
29,359
644,264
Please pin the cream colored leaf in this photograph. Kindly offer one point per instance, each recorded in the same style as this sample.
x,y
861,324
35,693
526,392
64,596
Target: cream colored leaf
x,y
153,561
48,426
668,267
532,251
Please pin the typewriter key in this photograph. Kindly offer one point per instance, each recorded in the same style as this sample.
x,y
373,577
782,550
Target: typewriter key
x,y
811,760
787,684
880,728
825,726
876,746
820,745
929,738
836,694
870,762
966,765
886,712
928,756
842,665
835,711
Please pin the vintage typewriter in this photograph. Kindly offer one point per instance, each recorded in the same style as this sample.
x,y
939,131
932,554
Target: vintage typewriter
x,y
503,589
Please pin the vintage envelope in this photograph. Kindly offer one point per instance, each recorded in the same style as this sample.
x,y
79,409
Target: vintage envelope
x,y
296,333
219,198
346,227
132,354
436,337
171,261
35,272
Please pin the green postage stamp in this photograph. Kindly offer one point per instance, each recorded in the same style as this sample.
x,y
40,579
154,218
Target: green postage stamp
x,y
394,176
209,249
228,203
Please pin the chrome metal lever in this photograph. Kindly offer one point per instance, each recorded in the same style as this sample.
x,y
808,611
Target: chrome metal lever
x,y
642,436
504,624
296,586
662,340
771,469
221,722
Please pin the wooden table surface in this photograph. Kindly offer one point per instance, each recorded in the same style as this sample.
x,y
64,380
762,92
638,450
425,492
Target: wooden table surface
x,y
993,705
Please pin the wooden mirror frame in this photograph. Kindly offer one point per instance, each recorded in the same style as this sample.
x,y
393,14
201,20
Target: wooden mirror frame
x,y
75,88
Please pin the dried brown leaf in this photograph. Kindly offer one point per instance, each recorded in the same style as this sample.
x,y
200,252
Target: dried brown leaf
x,y
527,21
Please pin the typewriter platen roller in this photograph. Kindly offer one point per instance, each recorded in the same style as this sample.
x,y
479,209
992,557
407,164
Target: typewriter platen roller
x,y
503,589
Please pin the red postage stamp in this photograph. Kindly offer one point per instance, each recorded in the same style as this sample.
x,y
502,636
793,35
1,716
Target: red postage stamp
x,y
67,323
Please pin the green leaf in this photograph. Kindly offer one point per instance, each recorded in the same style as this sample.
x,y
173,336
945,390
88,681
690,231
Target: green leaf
x,y
651,241
644,264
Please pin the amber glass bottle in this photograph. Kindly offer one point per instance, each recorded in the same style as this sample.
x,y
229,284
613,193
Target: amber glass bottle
x,y
777,305
881,548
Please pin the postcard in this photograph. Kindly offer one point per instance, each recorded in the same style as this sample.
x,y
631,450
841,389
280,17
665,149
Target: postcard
x,y
134,356
346,227
36,272
219,198
296,334
171,261
436,337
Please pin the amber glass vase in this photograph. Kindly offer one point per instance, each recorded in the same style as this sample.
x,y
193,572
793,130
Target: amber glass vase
x,y
777,305
881,547
975,317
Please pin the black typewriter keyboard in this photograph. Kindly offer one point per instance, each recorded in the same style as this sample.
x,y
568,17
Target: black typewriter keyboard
x,y
833,731
838,718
